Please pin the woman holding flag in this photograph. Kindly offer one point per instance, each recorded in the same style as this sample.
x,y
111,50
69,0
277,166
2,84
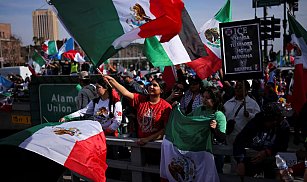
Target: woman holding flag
x,y
152,111
186,150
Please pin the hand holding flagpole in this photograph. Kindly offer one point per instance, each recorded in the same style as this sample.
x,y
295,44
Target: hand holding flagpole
x,y
103,76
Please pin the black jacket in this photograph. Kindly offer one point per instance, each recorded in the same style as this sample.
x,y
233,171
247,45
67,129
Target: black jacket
x,y
257,137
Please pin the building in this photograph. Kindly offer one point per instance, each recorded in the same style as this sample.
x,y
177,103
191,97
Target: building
x,y
9,47
131,57
45,25
5,31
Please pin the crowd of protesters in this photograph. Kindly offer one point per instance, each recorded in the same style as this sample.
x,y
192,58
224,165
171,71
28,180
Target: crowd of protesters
x,y
251,117
13,88
250,113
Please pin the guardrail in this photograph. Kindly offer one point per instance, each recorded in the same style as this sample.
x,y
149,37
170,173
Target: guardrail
x,y
137,164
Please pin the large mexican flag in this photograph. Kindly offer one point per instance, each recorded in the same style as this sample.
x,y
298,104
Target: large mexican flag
x,y
210,36
102,27
299,45
186,149
79,146
200,51
183,48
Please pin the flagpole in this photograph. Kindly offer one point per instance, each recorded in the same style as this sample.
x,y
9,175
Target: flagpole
x,y
103,76
285,27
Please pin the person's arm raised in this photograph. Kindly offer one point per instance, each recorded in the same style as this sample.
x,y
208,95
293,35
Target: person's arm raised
x,y
119,87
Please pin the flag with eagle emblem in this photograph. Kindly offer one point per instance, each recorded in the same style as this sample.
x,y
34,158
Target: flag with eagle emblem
x,y
110,25
78,145
186,150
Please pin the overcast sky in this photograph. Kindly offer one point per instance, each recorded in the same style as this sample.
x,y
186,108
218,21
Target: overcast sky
x,y
19,14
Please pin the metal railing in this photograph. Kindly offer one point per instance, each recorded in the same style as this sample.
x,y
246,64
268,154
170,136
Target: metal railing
x,y
137,164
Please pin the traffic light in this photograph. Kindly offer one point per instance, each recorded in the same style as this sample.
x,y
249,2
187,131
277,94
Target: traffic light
x,y
275,28
265,29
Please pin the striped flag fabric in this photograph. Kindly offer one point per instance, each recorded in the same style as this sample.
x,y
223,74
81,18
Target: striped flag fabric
x,y
200,54
299,44
36,57
67,46
74,55
183,48
209,34
186,150
78,145
110,25
50,47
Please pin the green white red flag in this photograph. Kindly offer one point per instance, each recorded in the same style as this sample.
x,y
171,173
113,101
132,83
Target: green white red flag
x,y
36,57
79,146
210,36
299,45
50,47
183,48
74,55
186,149
200,51
109,25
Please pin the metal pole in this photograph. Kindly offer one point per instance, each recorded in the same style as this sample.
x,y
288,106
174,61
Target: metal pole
x,y
256,1
285,27
265,41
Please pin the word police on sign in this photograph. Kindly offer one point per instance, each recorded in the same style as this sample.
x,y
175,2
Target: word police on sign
x,y
241,50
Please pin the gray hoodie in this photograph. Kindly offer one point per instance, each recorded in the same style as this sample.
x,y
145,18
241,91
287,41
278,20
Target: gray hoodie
x,y
85,95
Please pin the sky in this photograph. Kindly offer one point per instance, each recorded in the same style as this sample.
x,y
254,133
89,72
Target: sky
x,y
19,14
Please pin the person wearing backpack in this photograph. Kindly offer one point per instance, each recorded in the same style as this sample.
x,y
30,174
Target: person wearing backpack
x,y
88,91
106,109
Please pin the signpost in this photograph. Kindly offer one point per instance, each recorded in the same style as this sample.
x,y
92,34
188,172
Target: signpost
x,y
263,3
56,101
241,50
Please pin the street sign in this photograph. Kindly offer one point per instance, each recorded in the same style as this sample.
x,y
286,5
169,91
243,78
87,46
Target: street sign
x,y
56,101
263,3
241,50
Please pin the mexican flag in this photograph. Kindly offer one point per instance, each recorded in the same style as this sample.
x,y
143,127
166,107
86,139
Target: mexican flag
x,y
101,28
210,36
79,146
299,45
74,55
50,47
186,149
38,59
183,48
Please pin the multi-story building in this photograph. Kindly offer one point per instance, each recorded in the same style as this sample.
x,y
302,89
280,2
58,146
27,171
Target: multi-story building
x,y
9,47
45,25
131,57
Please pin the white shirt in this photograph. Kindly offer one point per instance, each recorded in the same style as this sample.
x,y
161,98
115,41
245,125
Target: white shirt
x,y
231,106
105,121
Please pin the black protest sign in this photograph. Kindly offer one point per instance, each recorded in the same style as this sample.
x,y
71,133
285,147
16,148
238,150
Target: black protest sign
x,y
241,50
